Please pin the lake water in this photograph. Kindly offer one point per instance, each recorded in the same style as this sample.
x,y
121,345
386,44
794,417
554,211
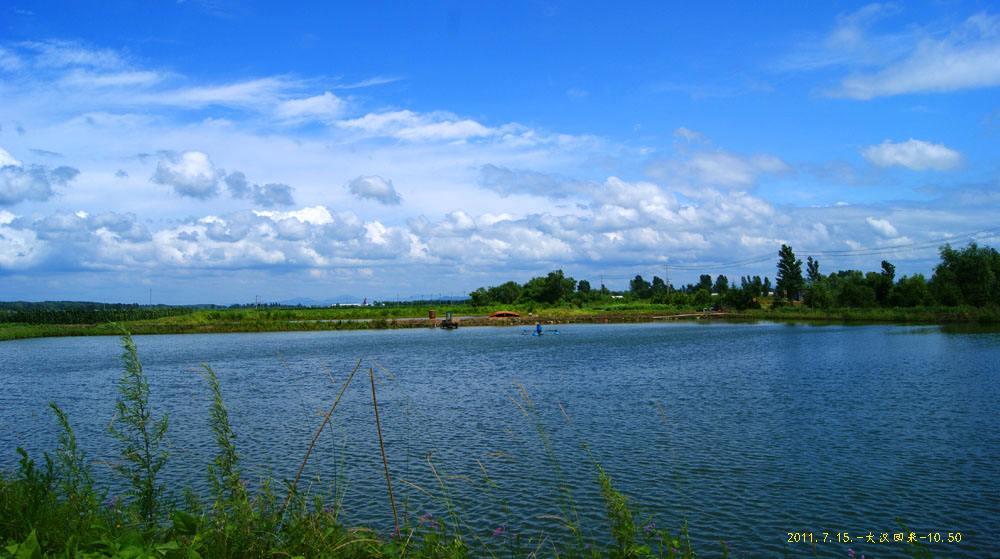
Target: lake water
x,y
747,431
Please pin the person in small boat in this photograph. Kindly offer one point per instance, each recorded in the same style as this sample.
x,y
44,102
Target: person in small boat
x,y
538,328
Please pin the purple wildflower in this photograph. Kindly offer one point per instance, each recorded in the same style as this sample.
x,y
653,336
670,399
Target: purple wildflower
x,y
649,528
500,530
850,553
427,519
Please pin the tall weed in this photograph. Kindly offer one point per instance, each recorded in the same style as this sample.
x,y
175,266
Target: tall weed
x,y
142,436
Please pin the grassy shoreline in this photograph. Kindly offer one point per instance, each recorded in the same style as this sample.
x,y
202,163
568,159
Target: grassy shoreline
x,y
306,320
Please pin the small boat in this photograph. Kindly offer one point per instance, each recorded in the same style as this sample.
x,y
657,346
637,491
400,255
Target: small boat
x,y
505,314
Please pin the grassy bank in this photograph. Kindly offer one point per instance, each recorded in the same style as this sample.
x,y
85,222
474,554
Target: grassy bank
x,y
349,318
50,508
910,315
415,316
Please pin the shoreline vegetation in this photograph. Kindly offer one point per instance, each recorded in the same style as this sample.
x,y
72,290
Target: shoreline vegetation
x,y
964,289
415,316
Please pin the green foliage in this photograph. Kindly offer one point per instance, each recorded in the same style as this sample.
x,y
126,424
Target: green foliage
x,y
818,294
721,285
739,299
969,276
701,298
550,289
142,437
26,498
789,282
852,289
704,282
631,541
812,270
71,469
911,291
623,526
227,485
639,287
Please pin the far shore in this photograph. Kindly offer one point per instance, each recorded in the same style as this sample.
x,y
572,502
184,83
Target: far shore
x,y
275,321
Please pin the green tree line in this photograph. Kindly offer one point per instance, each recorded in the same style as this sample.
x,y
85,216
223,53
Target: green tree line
x,y
968,276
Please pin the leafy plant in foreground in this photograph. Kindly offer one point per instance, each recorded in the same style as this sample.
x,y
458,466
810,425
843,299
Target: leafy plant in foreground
x,y
71,469
630,541
142,436
227,485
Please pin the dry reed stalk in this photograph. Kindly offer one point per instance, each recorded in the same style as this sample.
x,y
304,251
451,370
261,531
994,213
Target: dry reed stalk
x,y
566,415
417,487
319,431
381,446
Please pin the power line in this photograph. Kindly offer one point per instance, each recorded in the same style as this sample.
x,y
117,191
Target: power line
x,y
841,253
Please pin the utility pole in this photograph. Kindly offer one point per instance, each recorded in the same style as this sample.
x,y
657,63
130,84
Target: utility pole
x,y
666,275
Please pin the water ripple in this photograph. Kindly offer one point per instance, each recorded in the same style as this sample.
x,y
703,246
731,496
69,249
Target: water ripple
x,y
745,431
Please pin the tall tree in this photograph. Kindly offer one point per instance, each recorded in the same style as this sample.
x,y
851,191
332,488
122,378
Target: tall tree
x,y
721,284
888,270
658,286
817,292
788,283
881,283
704,282
639,287
812,270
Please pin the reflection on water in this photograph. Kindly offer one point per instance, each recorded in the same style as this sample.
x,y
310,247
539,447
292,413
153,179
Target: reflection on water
x,y
747,431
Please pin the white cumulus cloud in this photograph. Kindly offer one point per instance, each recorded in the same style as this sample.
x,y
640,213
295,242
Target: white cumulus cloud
x,y
375,188
35,182
720,168
882,227
7,159
913,154
190,173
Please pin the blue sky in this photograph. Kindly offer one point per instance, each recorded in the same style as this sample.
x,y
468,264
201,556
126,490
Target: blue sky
x,y
214,151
